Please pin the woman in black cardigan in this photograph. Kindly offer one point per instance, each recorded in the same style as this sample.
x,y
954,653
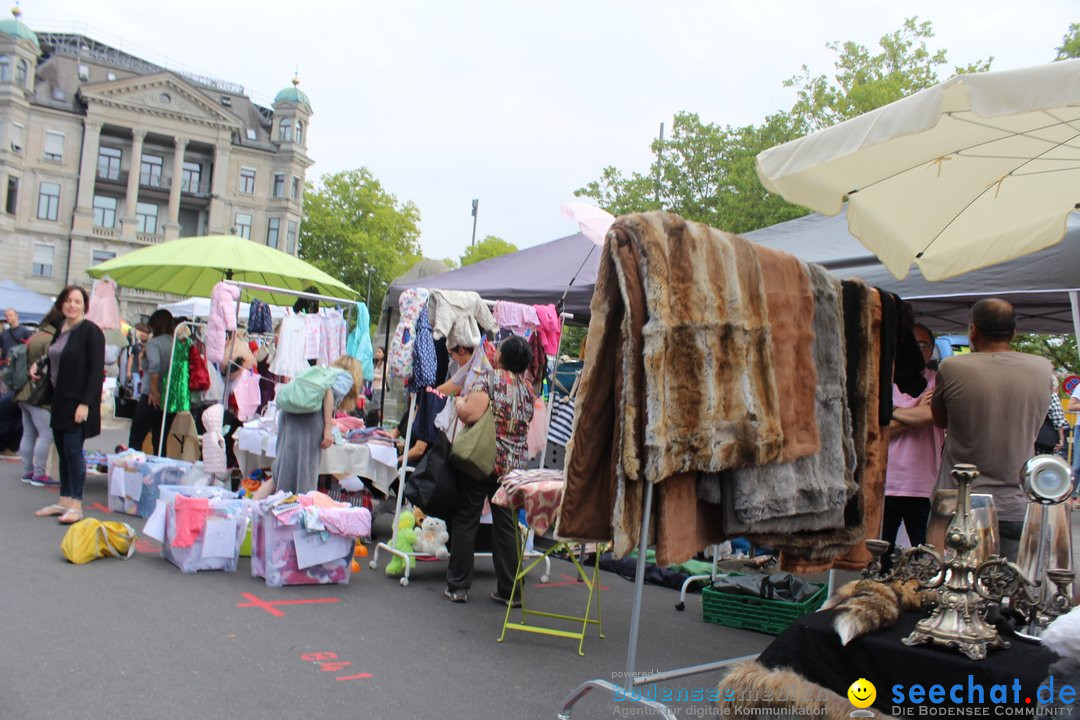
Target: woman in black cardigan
x,y
76,371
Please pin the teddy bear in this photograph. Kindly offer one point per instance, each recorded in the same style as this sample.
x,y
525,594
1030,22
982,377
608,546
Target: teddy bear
x,y
432,538
406,538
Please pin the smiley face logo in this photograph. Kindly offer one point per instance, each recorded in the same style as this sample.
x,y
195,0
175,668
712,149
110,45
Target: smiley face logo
x,y
862,693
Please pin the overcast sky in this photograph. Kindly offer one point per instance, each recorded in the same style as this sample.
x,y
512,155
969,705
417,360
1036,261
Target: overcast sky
x,y
520,103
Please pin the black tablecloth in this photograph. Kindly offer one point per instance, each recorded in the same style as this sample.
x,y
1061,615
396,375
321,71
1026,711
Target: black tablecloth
x,y
812,648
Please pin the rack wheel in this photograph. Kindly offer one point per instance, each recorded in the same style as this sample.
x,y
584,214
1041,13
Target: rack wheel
x,y
404,582
680,606
373,565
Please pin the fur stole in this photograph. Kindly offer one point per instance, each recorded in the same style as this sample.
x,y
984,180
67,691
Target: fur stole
x,y
752,685
863,606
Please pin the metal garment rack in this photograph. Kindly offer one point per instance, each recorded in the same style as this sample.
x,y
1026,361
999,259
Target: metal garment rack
x,y
405,468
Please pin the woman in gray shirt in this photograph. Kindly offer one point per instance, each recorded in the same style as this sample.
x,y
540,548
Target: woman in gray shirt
x,y
158,351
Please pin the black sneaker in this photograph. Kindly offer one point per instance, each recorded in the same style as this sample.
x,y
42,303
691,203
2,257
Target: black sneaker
x,y
515,603
456,596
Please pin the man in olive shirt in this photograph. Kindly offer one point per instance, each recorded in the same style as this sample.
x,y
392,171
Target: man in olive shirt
x,y
991,403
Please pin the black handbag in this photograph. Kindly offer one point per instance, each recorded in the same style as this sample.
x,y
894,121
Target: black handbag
x,y
432,486
125,403
1047,438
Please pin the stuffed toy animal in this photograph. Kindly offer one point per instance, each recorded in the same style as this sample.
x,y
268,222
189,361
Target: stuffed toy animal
x,y
213,442
432,538
406,538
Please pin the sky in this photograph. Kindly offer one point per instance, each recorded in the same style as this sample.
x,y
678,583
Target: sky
x,y
518,104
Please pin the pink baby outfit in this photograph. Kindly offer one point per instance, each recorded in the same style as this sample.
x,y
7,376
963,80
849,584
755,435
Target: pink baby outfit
x,y
222,319
550,327
104,311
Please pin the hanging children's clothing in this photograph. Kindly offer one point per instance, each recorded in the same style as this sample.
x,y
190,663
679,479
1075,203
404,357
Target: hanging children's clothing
x,y
459,316
424,361
222,319
516,317
213,442
400,358
259,318
246,394
313,332
359,341
332,342
289,360
104,311
550,327
179,389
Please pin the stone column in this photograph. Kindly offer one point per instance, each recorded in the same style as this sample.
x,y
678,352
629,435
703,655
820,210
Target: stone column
x,y
135,166
218,223
84,203
172,222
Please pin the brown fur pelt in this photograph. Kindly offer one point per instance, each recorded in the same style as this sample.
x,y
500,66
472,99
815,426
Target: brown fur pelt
x,y
863,606
710,393
752,685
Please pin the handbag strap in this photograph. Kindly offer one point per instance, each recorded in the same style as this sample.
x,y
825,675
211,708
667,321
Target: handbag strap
x,y
104,532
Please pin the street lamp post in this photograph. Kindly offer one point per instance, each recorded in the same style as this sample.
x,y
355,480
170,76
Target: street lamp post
x,y
475,212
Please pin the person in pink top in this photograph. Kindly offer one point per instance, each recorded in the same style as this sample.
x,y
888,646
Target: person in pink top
x,y
914,456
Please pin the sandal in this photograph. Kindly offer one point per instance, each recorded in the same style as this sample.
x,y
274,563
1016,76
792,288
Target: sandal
x,y
51,511
72,516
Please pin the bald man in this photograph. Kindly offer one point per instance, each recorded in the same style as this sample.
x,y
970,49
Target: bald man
x,y
991,403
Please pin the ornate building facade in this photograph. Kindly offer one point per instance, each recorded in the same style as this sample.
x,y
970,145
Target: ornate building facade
x,y
102,152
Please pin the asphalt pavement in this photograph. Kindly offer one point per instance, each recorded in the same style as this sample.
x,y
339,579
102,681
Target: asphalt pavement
x,y
128,640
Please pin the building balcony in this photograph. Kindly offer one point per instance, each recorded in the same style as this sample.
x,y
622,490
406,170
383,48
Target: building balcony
x,y
112,177
105,233
149,238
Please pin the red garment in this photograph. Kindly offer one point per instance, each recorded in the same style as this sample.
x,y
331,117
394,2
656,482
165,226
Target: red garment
x,y
198,375
190,519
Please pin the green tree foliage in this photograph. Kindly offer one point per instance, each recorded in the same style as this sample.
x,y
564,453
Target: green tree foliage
x,y
1070,44
1058,349
706,172
487,248
352,225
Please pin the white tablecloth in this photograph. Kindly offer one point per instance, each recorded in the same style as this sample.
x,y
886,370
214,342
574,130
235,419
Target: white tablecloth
x,y
375,463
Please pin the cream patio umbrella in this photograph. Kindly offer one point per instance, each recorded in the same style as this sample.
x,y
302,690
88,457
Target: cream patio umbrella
x,y
974,171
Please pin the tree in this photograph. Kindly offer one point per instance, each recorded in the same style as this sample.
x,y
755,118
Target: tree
x,y
1070,44
354,229
487,248
1060,350
707,172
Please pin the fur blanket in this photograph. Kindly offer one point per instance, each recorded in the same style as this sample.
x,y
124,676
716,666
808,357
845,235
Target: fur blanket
x,y
863,606
815,551
751,685
679,364
811,492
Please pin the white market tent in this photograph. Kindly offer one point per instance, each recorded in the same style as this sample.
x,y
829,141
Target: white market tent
x,y
197,307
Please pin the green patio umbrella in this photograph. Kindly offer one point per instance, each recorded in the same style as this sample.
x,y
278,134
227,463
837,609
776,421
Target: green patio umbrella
x,y
191,266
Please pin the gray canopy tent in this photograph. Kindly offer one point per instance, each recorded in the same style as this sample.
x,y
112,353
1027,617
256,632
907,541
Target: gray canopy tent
x,y
538,275
31,306
1043,286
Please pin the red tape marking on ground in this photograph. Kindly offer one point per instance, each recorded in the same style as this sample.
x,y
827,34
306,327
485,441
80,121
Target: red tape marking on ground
x,y
99,507
361,676
568,580
145,546
268,605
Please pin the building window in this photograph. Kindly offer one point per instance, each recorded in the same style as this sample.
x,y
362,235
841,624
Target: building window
x,y
243,225
108,163
16,137
54,146
285,130
22,73
251,134
12,204
5,68
84,72
150,170
104,211
146,218
299,132
247,180
48,207
279,185
192,176
273,229
43,260
110,76
99,256
295,187
290,238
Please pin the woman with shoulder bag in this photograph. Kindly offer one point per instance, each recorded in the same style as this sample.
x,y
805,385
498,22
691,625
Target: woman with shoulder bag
x,y
37,435
76,371
509,398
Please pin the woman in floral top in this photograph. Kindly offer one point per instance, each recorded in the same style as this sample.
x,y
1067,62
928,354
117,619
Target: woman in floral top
x,y
510,398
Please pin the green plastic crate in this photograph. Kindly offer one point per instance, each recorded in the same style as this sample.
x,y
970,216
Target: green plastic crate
x,y
756,613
